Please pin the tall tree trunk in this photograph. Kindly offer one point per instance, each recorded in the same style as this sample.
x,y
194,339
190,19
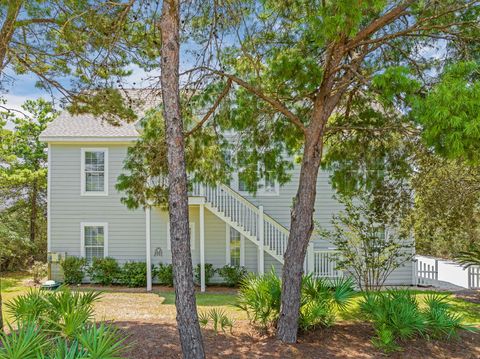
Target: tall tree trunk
x,y
8,29
301,228
33,211
187,317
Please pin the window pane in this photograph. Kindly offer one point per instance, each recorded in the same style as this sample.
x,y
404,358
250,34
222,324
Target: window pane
x,y
94,236
94,182
234,247
93,252
94,161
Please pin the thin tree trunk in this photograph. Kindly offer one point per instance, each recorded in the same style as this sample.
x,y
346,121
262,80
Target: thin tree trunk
x,y
33,211
187,317
8,28
301,229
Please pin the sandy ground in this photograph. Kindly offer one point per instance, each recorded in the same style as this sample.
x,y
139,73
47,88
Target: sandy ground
x,y
150,326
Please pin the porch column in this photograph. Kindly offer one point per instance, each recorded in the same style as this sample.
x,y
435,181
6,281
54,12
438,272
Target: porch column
x,y
261,252
148,244
202,247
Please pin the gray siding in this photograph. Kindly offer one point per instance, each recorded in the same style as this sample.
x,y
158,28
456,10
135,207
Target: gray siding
x,y
126,228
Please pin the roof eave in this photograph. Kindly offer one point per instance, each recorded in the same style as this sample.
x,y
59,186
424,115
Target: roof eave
x,y
80,139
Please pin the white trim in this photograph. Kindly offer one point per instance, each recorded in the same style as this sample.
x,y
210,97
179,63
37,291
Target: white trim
x,y
228,258
148,248
66,139
261,252
83,192
192,236
242,250
49,198
227,244
202,247
82,236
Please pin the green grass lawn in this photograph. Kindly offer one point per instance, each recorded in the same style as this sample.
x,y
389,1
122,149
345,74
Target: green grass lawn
x,y
12,285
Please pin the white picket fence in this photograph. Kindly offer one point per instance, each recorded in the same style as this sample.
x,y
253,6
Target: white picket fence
x,y
474,277
433,271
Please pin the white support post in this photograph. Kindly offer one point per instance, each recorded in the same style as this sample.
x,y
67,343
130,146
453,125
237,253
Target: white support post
x,y
261,252
310,258
202,247
227,244
148,246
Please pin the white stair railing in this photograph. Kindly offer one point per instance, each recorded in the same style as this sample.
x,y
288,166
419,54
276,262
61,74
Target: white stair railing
x,y
325,264
245,217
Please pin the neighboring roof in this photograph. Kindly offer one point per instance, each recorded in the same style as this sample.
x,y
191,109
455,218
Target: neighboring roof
x,y
80,127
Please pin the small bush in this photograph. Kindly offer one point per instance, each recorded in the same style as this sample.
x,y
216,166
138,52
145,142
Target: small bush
x,y
104,271
165,274
209,273
134,274
232,275
38,271
398,316
218,318
260,297
58,325
73,269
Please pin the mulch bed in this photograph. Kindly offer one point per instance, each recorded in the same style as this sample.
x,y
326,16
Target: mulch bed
x,y
152,333
472,296
345,340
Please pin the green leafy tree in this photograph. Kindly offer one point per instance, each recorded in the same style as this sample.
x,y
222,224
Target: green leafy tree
x,y
370,240
23,178
303,71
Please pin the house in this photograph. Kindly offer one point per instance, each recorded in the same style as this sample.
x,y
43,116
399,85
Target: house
x,y
228,225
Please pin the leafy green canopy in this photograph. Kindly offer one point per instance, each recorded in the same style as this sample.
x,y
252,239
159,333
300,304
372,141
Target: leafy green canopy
x,y
23,184
280,60
144,182
80,49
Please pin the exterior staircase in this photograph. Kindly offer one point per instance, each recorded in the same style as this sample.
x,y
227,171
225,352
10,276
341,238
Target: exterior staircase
x,y
270,236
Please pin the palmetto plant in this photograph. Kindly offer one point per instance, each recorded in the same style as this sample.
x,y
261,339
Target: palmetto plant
x,y
469,258
260,296
398,316
58,325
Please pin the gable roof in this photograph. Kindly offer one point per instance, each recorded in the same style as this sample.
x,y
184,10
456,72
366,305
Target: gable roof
x,y
84,127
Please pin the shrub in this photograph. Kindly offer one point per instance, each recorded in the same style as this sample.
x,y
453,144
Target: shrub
x,y
232,275
73,269
219,320
134,274
104,271
321,298
165,274
260,297
398,316
209,273
38,271
58,325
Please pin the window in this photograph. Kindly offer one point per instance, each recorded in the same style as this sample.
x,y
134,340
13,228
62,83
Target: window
x,y
235,248
265,186
192,236
94,171
94,240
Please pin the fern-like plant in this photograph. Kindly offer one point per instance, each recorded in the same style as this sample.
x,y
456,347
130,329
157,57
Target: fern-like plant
x,y
469,258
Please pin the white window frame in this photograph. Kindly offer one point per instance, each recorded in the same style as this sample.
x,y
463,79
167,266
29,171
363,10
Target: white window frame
x,y
192,236
82,236
228,259
83,190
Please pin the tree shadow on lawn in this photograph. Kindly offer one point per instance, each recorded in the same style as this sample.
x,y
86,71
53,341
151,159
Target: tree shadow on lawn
x,y
345,340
